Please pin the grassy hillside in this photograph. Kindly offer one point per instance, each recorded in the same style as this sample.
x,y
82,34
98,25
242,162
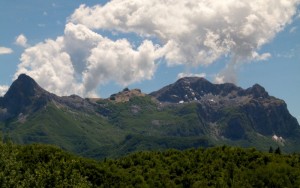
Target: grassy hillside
x,y
150,123
139,124
71,130
135,125
47,166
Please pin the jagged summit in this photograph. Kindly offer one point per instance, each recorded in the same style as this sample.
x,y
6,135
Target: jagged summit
x,y
24,86
193,88
24,95
257,91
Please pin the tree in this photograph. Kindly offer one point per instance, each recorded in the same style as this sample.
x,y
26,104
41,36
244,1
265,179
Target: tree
x,y
278,151
271,149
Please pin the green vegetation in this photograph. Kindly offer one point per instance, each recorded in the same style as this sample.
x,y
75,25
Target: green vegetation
x,y
47,166
136,125
71,130
120,128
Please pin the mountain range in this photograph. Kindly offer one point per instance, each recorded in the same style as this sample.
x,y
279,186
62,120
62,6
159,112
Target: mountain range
x,y
192,112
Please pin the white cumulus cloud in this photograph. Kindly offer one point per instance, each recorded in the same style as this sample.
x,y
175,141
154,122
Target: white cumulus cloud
x,y
4,50
3,90
260,57
81,60
181,75
200,31
192,33
50,66
219,79
21,40
78,43
118,61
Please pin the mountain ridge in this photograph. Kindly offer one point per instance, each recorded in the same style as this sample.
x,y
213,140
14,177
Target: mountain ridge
x,y
192,112
187,86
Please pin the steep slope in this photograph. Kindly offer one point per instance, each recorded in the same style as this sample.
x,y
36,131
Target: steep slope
x,y
24,96
235,111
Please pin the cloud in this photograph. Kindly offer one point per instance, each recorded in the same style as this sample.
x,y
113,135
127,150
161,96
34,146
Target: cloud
x,y
181,75
208,28
50,66
260,57
78,43
3,90
219,79
293,29
228,74
119,62
21,40
288,54
41,25
81,60
198,32
4,50
193,34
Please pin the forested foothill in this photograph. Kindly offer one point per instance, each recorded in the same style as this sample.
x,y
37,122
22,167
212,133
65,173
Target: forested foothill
x,y
48,166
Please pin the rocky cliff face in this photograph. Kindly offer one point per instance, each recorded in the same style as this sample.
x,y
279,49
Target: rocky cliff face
x,y
194,88
235,110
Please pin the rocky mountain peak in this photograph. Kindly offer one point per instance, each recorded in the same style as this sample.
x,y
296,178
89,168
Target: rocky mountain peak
x,y
24,86
192,79
257,91
191,89
24,95
194,88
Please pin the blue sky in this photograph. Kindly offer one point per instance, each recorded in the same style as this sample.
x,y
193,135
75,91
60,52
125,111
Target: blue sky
x,y
102,47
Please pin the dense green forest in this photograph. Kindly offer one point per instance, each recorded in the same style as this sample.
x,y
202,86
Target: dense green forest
x,y
48,166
